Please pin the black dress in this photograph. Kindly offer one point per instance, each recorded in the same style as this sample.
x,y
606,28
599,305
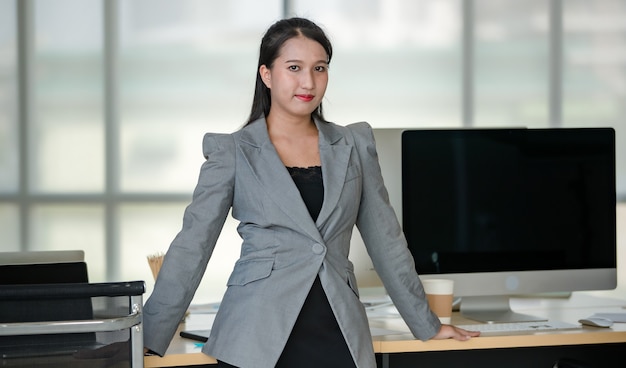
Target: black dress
x,y
316,340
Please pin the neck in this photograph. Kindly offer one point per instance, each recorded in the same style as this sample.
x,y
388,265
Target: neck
x,y
290,126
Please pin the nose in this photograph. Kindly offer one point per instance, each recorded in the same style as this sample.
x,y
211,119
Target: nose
x,y
307,80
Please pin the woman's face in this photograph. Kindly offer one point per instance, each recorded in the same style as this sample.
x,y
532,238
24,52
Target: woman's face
x,y
298,77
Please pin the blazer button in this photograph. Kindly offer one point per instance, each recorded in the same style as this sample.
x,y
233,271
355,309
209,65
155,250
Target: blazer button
x,y
318,248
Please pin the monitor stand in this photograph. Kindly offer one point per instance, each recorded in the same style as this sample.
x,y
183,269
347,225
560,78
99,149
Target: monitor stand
x,y
493,309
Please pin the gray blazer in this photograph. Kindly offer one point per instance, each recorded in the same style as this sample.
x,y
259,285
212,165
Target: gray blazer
x,y
282,248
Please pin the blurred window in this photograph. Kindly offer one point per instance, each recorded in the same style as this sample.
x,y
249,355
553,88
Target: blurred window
x,y
103,104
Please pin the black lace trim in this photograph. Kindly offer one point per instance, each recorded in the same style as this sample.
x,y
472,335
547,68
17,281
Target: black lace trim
x,y
311,174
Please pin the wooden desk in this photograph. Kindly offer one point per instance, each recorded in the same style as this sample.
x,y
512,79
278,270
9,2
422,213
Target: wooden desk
x,y
402,350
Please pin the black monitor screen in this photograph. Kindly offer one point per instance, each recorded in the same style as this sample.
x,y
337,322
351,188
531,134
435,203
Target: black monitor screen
x,y
488,200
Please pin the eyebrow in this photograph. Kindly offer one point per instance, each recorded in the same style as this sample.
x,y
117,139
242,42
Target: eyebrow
x,y
300,61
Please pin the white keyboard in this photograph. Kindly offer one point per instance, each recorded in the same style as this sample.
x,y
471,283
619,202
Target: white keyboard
x,y
517,328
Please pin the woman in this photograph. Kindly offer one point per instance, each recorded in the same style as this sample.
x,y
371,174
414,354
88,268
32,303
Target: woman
x,y
298,185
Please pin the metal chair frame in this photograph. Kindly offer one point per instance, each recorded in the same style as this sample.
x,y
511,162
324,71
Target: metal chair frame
x,y
133,321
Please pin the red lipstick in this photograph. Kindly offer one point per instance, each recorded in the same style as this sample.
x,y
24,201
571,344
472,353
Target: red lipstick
x,y
305,98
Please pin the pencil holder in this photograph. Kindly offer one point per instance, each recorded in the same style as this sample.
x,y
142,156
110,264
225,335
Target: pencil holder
x,y
155,261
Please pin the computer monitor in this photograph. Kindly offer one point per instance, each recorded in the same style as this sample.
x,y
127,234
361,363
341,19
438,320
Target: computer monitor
x,y
42,256
505,212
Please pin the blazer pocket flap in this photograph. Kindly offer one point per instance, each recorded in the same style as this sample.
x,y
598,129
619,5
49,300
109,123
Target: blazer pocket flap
x,y
251,270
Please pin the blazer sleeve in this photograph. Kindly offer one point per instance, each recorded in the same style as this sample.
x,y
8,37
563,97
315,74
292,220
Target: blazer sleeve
x,y
187,257
385,242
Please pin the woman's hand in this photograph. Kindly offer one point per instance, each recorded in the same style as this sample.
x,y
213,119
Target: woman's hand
x,y
452,332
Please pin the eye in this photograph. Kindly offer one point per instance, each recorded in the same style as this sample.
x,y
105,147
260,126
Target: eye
x,y
321,68
293,68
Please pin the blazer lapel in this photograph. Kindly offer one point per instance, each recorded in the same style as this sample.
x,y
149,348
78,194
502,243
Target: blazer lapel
x,y
335,158
271,173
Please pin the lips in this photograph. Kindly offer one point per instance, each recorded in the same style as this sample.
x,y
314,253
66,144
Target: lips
x,y
305,98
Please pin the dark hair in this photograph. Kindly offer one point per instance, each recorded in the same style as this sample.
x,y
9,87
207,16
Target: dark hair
x,y
274,38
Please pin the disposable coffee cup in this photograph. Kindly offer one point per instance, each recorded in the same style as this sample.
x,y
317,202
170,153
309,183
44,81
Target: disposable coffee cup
x,y
440,293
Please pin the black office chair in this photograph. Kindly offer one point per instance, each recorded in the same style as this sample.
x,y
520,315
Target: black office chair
x,y
31,341
52,317
56,309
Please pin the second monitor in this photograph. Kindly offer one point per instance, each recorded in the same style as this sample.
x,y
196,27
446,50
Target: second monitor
x,y
511,211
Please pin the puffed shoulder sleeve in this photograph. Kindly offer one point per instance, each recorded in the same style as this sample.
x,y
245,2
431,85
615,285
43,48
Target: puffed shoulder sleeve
x,y
191,249
363,129
385,242
215,142
366,145
213,194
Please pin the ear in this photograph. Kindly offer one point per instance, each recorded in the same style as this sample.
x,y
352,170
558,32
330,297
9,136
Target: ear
x,y
266,75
